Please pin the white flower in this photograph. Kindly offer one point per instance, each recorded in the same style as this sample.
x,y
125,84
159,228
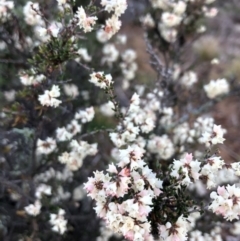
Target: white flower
x,y
30,11
161,4
62,134
176,231
55,91
209,1
85,22
47,146
71,90
129,55
117,139
134,103
86,115
215,61
58,222
61,2
148,21
110,54
80,150
162,146
102,36
189,78
72,160
78,193
169,34
43,189
49,97
9,95
44,33
211,13
236,168
54,29
236,228
101,80
116,6
83,52
73,127
215,137
201,29
107,109
216,88
31,80
112,26
179,8
226,202
121,39
170,19
33,209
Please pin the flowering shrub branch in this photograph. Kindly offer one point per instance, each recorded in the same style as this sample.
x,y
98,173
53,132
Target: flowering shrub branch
x,y
155,171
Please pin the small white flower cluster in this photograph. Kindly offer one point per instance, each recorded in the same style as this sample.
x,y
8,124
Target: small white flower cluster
x,y
177,231
128,66
226,202
71,90
9,95
214,137
135,120
52,30
47,146
107,109
214,235
32,79
173,14
58,222
236,228
78,193
62,2
101,80
133,182
85,22
43,189
86,115
83,55
210,12
60,195
201,132
79,150
31,15
210,171
113,24
171,19
188,79
34,209
65,175
227,175
148,21
216,88
49,98
190,171
73,128
110,54
162,146
186,169
5,7
68,132
106,233
160,4
62,177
